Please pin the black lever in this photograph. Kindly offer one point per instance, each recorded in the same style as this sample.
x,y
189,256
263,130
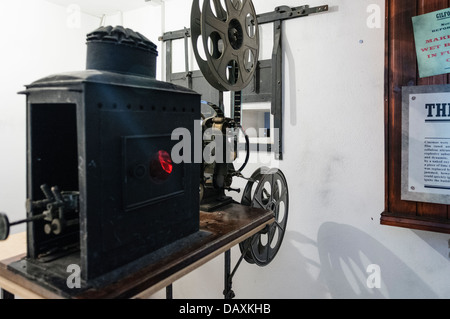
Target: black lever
x,y
56,205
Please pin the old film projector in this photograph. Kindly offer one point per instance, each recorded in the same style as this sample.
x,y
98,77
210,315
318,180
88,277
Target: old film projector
x,y
225,41
103,190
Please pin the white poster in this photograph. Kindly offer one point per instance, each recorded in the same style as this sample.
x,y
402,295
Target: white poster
x,y
426,144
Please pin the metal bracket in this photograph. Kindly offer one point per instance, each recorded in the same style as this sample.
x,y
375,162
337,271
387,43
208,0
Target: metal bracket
x,y
286,12
255,92
228,278
228,290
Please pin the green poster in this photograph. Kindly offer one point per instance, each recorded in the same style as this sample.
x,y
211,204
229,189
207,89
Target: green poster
x,y
432,38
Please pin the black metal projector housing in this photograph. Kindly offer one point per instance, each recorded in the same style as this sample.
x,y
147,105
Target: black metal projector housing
x,y
98,132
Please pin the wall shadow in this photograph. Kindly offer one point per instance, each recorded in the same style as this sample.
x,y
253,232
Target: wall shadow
x,y
435,240
345,253
292,271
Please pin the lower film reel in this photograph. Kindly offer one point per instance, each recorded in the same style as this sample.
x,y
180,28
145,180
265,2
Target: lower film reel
x,y
266,188
225,41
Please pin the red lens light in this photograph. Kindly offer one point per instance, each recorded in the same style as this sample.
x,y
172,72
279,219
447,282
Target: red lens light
x,y
161,166
165,161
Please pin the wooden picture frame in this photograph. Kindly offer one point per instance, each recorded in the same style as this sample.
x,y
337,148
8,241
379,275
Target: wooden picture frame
x,y
401,70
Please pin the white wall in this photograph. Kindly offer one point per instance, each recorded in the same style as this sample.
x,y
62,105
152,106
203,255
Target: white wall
x,y
334,159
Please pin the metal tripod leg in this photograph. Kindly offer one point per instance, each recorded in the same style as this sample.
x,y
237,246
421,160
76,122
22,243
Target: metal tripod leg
x,y
169,292
228,291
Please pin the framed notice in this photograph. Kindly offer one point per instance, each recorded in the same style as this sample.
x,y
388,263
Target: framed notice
x,y
426,144
432,39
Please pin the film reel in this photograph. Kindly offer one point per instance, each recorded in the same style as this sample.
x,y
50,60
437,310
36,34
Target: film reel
x,y
266,189
225,41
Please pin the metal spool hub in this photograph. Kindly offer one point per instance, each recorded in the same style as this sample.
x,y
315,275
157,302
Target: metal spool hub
x,y
225,40
267,189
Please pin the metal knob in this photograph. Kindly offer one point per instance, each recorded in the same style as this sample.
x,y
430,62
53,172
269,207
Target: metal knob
x,y
4,226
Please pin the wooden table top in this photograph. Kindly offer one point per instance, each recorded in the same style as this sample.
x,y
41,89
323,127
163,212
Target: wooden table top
x,y
219,232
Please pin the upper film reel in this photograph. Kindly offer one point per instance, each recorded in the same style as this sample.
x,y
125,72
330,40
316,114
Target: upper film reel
x,y
225,39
